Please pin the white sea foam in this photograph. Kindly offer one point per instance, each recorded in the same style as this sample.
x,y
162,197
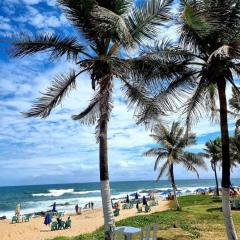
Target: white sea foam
x,y
83,197
60,192
86,192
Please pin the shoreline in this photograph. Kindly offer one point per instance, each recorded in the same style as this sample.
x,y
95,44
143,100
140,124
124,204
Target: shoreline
x,y
87,222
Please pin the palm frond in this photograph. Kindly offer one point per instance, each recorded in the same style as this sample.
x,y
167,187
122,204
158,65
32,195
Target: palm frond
x,y
152,152
90,115
234,101
55,44
194,108
191,161
78,12
53,95
161,155
146,109
195,26
117,6
163,169
108,23
144,21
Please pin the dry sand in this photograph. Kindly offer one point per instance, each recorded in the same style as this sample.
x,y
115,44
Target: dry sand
x,y
84,223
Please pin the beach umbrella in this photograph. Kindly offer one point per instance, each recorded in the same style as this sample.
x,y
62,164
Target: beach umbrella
x,y
48,219
200,190
144,200
167,191
127,199
17,211
54,207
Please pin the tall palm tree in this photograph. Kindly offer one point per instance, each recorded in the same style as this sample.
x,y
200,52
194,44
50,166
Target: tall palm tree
x,y
109,28
213,152
172,143
208,52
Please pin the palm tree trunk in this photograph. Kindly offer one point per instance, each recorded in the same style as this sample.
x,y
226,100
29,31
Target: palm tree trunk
x,y
216,179
104,176
231,233
174,187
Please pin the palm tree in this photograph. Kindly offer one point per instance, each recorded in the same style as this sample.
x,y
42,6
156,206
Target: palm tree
x,y
109,28
172,143
213,152
207,58
235,150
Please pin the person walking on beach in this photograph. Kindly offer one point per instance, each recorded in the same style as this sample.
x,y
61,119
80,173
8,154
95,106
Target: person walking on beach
x,y
76,208
92,205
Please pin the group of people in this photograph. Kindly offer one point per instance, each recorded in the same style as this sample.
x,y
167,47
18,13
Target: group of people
x,y
170,196
78,209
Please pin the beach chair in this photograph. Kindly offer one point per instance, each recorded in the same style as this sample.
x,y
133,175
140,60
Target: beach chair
x,y
26,218
139,209
68,224
116,212
60,214
147,208
54,226
131,205
149,232
62,225
15,219
125,206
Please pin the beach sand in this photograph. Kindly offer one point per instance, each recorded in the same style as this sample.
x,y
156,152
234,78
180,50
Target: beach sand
x,y
87,222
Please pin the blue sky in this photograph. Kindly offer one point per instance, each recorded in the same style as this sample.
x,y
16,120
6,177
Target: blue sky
x,y
57,149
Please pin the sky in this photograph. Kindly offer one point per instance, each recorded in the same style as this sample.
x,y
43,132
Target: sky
x,y
57,149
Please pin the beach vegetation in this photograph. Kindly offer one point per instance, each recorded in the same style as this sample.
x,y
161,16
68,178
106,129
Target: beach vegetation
x,y
200,218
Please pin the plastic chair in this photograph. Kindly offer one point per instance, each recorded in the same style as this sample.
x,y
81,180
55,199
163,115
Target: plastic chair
x,y
116,212
68,224
150,232
54,226
15,219
147,208
27,217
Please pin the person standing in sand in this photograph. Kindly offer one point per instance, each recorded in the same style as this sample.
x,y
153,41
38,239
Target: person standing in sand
x,y
17,211
76,208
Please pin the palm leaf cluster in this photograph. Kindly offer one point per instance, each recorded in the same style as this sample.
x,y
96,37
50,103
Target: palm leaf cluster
x,y
109,28
206,55
172,144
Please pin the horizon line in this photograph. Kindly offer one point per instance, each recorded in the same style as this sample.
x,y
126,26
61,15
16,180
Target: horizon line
x,y
47,184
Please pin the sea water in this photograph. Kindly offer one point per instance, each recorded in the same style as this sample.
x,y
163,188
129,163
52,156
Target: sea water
x,y
41,197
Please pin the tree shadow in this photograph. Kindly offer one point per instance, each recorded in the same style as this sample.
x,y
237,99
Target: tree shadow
x,y
217,209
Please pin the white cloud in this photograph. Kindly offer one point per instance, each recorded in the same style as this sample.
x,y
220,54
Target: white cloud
x,y
58,146
31,2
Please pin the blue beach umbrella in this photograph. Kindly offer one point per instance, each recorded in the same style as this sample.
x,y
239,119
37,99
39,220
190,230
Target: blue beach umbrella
x,y
48,219
200,190
167,191
54,207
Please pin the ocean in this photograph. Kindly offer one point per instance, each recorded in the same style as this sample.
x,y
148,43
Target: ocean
x,y
41,197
